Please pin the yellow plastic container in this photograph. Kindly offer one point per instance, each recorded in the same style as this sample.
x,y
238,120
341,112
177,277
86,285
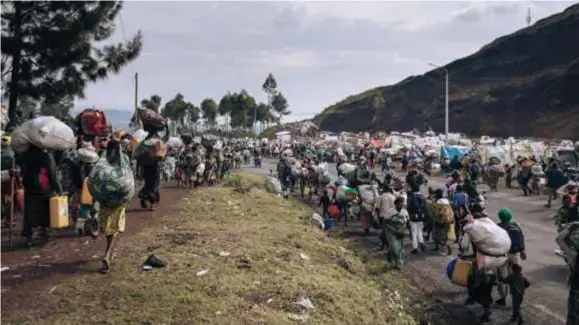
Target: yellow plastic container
x,y
59,212
462,270
85,196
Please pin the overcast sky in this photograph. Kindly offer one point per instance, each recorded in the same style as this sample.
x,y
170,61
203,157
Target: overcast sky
x,y
319,52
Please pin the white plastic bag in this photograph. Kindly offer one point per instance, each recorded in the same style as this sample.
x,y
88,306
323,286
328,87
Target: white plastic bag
x,y
48,132
87,155
346,168
318,221
273,185
488,237
368,194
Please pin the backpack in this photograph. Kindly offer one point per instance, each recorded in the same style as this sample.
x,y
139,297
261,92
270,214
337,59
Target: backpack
x,y
517,237
419,207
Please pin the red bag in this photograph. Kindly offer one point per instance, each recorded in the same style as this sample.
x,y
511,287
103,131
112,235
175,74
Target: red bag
x,y
334,212
93,122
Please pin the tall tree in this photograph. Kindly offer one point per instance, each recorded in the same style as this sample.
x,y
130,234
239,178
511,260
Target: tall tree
x,y
210,110
377,106
242,109
153,102
53,49
270,88
280,105
225,107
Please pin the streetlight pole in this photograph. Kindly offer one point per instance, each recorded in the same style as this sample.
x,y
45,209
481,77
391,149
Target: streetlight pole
x,y
445,98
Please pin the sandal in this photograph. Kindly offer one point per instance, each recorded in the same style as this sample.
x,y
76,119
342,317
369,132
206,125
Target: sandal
x,y
105,268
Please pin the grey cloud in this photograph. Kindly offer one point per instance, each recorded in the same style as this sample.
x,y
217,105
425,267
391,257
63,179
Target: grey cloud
x,y
204,49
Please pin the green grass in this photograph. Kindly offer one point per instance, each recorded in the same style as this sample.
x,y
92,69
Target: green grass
x,y
273,233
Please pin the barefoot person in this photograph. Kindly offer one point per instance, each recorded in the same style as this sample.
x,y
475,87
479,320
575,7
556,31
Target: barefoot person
x,y
111,218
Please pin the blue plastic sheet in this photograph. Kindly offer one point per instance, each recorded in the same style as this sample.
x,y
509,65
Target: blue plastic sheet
x,y
451,151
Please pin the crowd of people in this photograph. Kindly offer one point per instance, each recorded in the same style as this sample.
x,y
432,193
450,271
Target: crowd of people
x,y
439,217
398,206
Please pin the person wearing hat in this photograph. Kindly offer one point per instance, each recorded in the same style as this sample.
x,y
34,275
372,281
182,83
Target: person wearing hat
x,y
516,252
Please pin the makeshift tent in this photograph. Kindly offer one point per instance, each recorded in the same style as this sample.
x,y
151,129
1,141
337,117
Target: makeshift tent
x,y
452,151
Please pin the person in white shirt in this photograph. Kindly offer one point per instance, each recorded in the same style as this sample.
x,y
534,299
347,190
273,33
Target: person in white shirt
x,y
385,209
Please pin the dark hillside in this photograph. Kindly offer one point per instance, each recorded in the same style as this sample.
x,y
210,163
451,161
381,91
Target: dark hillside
x,y
523,84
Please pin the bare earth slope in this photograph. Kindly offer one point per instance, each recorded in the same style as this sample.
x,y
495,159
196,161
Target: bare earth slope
x,y
523,84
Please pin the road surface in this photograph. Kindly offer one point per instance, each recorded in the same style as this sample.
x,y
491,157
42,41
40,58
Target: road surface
x,y
546,299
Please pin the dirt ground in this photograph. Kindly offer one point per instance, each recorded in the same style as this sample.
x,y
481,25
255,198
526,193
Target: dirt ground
x,y
39,269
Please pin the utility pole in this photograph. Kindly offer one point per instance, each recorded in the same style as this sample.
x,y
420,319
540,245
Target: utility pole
x,y
528,16
445,98
255,120
137,118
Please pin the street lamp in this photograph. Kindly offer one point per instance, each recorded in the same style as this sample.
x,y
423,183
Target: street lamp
x,y
445,98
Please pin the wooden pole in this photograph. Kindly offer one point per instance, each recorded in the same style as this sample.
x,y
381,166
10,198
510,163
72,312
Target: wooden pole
x,y
11,221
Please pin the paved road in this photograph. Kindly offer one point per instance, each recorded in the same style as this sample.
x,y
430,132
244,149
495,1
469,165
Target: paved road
x,y
546,299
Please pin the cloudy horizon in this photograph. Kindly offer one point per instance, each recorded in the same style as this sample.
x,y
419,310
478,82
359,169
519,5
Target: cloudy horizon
x,y
319,52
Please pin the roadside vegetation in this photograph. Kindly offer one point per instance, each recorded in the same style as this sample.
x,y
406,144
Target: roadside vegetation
x,y
235,255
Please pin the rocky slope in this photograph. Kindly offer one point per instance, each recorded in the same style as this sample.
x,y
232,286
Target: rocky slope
x,y
523,84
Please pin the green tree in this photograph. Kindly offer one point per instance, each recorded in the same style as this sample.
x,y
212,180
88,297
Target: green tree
x,y
53,49
181,112
153,102
225,107
243,107
377,106
61,109
210,110
270,88
280,105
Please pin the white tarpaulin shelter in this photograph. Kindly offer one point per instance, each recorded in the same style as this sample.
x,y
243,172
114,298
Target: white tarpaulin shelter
x,y
283,136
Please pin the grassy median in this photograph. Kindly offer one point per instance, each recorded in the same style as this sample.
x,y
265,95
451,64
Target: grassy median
x,y
235,255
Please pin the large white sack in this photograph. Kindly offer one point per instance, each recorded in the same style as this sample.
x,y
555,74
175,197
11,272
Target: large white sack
x,y
346,168
273,185
174,143
48,132
488,237
368,194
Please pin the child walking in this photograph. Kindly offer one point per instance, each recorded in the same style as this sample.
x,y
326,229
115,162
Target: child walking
x,y
325,203
517,285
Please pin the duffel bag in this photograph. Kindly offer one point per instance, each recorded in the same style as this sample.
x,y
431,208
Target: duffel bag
x,y
152,118
93,122
112,185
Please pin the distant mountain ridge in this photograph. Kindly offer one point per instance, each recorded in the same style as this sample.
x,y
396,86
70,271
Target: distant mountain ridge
x,y
522,84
